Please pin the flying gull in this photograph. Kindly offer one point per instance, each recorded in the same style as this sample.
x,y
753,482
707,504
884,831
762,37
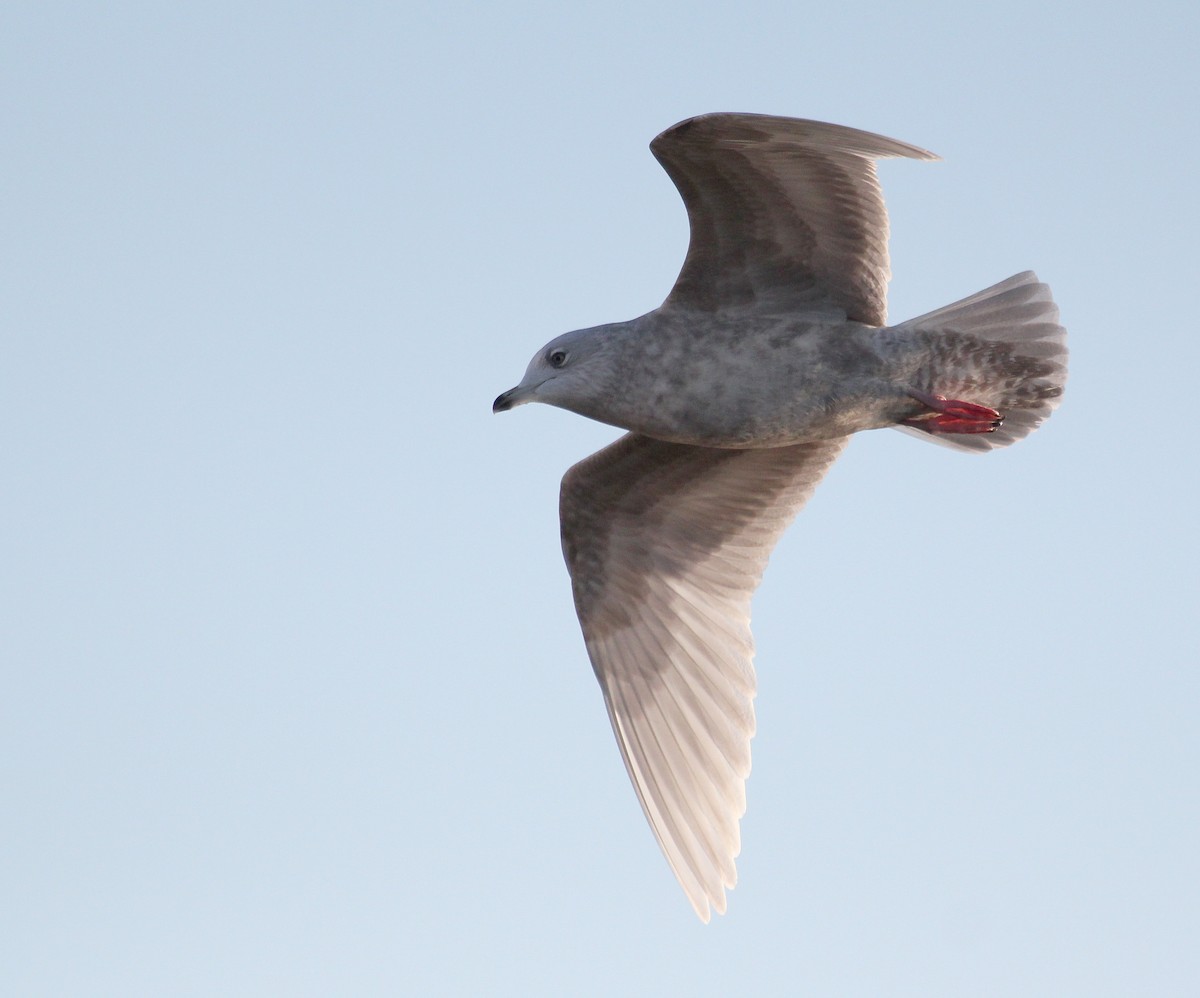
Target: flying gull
x,y
738,393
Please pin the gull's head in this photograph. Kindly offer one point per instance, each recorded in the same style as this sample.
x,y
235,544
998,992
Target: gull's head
x,y
568,372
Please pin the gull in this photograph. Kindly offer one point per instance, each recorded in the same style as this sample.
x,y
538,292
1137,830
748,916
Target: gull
x,y
738,393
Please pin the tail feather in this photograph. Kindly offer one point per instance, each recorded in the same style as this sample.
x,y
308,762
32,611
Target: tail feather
x,y
1002,348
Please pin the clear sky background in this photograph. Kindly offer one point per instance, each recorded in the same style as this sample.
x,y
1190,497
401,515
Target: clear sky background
x,y
294,700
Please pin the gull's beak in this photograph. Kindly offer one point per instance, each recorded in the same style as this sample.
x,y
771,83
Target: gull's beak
x,y
507,400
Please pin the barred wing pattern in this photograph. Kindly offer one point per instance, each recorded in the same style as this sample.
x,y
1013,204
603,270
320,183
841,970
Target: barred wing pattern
x,y
665,544
785,214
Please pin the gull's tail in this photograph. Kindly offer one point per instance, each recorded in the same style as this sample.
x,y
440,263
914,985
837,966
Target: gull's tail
x,y
1001,348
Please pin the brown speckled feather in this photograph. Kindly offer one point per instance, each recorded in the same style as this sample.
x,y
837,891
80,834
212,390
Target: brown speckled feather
x,y
784,213
666,544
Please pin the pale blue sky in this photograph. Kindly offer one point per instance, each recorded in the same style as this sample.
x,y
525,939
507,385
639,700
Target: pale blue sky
x,y
294,700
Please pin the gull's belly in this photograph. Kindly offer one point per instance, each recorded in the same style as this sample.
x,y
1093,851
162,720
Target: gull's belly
x,y
770,388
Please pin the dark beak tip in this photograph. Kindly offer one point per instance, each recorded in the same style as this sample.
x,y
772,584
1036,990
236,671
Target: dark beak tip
x,y
502,403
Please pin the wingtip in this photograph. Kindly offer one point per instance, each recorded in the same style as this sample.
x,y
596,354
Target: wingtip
x,y
705,906
711,898
874,145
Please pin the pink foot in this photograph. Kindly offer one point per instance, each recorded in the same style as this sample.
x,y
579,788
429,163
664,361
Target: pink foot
x,y
954,416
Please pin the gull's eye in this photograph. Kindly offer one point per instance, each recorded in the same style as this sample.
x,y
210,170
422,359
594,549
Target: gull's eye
x,y
557,358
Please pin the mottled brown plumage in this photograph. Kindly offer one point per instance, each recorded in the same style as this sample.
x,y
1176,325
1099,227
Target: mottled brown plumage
x,y
739,392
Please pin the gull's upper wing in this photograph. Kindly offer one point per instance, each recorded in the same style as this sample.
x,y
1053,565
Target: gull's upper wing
x,y
784,213
666,544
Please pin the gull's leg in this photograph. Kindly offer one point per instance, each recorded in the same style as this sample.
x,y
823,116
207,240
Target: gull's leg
x,y
953,416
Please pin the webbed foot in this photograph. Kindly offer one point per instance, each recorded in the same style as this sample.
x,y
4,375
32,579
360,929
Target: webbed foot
x,y
953,416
